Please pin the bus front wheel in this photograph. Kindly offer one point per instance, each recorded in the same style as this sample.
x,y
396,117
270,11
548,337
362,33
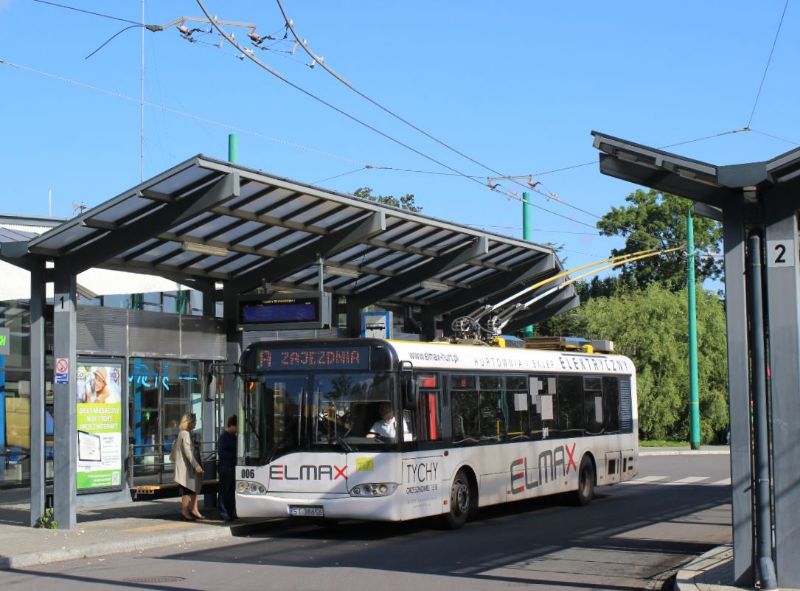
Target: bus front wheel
x,y
585,492
462,501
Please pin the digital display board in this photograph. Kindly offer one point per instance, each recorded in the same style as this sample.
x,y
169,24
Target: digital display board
x,y
314,358
280,311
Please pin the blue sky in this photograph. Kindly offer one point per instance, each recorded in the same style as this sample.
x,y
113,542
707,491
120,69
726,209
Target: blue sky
x,y
517,85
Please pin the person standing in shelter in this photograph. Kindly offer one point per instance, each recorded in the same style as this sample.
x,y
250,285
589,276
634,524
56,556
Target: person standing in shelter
x,y
226,463
188,471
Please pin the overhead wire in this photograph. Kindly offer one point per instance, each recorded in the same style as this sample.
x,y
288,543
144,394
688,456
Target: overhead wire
x,y
769,61
100,14
319,60
186,114
250,55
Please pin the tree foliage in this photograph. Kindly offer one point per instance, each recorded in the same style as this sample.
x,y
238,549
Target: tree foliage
x,y
650,327
403,202
658,220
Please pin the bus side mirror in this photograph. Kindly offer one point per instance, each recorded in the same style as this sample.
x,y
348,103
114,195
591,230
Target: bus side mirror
x,y
409,391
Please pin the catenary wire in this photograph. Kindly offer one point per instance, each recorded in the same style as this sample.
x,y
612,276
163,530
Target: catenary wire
x,y
100,14
775,137
766,67
249,54
186,114
321,62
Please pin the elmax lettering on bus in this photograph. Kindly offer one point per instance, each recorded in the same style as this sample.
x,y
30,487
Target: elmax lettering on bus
x,y
307,472
548,462
422,472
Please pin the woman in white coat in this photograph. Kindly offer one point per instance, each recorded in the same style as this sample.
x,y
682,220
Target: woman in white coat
x,y
188,471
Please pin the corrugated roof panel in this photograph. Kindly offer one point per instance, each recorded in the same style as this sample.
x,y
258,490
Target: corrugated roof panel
x,y
292,241
177,183
318,210
232,236
215,224
193,222
156,252
66,239
287,210
142,246
128,208
238,263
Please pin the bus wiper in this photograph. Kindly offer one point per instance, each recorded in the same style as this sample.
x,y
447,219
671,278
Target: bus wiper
x,y
346,446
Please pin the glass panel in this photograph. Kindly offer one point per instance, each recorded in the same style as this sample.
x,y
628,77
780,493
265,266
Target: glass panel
x,y
357,408
492,416
593,404
273,416
517,407
466,415
611,404
570,413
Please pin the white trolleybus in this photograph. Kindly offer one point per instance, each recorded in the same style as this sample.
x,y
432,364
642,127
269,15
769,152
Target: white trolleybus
x,y
394,430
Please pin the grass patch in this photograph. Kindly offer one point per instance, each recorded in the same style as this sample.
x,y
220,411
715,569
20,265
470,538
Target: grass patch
x,y
663,443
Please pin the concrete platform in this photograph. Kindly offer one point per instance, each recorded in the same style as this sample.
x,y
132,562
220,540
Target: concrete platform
x,y
105,530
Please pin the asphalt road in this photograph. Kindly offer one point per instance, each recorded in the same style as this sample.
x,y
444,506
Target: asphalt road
x,y
632,536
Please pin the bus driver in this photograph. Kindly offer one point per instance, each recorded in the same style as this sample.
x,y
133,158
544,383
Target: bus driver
x,y
386,427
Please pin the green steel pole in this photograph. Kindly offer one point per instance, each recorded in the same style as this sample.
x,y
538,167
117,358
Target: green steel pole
x,y
527,234
233,149
694,390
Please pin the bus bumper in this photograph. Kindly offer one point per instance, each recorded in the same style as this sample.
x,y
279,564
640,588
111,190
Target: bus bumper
x,y
333,507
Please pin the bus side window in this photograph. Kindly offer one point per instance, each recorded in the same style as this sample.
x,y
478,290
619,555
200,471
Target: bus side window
x,y
571,416
465,409
492,419
517,407
428,422
611,404
593,403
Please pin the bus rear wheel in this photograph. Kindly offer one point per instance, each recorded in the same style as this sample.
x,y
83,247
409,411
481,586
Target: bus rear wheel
x,y
462,500
586,478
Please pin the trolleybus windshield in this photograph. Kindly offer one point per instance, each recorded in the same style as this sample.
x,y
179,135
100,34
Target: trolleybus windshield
x,y
322,411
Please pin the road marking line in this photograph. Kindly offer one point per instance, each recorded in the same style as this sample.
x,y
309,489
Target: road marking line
x,y
646,480
690,480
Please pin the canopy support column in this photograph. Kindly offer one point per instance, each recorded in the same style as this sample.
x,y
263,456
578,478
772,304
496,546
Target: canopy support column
x,y
38,445
65,395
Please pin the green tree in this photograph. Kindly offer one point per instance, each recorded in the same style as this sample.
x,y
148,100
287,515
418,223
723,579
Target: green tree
x,y
650,327
403,202
658,220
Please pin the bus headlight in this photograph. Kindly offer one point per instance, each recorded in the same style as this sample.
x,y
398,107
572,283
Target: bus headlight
x,y
248,487
373,489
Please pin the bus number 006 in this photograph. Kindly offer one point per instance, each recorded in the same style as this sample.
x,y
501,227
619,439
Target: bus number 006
x,y
248,473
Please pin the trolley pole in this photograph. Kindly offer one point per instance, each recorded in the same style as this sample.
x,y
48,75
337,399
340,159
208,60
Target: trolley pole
x,y
527,234
694,395
233,149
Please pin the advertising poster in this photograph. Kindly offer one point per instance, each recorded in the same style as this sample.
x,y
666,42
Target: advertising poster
x,y
99,419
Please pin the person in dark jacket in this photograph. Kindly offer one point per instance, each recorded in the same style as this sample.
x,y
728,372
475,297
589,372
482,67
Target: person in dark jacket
x,y
226,464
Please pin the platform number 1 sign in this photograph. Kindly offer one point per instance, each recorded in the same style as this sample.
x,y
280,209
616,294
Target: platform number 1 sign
x,y
780,253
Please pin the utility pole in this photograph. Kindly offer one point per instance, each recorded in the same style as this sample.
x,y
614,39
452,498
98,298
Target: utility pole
x,y
527,234
694,394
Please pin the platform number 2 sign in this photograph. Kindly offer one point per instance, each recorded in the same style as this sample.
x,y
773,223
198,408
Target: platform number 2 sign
x,y
780,253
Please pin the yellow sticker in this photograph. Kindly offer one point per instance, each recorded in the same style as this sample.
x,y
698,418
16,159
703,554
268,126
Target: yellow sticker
x,y
365,465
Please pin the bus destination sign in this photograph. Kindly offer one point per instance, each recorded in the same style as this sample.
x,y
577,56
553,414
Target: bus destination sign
x,y
314,358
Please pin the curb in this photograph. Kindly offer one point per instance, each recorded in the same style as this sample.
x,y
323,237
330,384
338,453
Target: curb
x,y
685,452
98,549
687,578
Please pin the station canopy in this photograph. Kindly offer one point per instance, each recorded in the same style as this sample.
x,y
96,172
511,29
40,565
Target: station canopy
x,y
206,221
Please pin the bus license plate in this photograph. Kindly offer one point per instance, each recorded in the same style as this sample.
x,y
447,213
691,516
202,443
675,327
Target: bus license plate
x,y
306,511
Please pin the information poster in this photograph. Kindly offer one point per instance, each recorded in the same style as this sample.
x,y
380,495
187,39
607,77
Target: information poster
x,y
99,419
